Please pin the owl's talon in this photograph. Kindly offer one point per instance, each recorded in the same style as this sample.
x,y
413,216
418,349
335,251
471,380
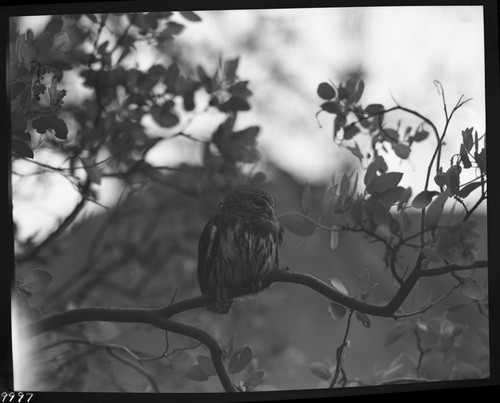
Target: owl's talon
x,y
257,286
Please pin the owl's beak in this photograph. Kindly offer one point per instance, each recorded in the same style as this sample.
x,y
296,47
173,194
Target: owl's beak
x,y
269,211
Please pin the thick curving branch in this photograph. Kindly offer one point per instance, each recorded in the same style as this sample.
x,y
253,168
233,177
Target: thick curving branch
x,y
160,317
146,315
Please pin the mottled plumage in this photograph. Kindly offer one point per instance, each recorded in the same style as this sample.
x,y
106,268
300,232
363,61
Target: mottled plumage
x,y
239,245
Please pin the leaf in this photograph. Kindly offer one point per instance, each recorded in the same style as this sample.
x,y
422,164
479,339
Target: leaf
x,y
395,332
22,148
467,189
60,128
456,307
320,370
405,196
297,223
205,79
356,211
391,134
234,104
481,160
364,319
54,26
423,199
420,135
195,373
402,151
365,123
326,91
328,200
334,237
51,122
405,222
240,89
229,347
467,139
240,359
356,95
344,188
374,109
436,209
237,146
92,170
379,213
336,311
330,107
390,196
456,244
190,16
338,123
56,95
432,365
338,285
356,151
173,28
305,201
230,67
206,364
465,370
163,114
384,182
377,165
452,178
254,379
37,280
431,254
355,186
350,131
258,178
472,290
343,93
171,76
464,157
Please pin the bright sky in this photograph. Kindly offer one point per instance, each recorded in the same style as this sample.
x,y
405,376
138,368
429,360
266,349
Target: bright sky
x,y
285,54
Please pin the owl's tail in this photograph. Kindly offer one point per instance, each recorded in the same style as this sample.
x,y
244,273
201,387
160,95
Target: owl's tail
x,y
221,307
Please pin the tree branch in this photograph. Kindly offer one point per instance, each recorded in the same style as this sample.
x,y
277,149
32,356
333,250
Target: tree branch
x,y
31,253
160,317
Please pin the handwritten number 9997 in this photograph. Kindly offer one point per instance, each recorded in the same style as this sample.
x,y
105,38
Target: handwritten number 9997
x,y
21,397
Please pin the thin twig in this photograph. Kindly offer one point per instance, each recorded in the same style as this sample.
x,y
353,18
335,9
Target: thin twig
x,y
341,352
150,379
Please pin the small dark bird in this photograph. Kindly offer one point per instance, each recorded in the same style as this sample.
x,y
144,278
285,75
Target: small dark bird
x,y
239,246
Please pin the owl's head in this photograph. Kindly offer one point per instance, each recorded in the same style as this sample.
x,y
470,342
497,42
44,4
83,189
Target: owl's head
x,y
249,200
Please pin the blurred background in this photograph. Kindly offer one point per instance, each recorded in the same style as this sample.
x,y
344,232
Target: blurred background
x,y
135,245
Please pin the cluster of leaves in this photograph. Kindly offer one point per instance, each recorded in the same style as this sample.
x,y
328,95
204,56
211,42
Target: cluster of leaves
x,y
112,120
380,211
35,104
438,340
109,134
369,211
237,361
351,119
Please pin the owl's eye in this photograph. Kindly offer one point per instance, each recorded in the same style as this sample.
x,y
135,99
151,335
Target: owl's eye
x,y
260,203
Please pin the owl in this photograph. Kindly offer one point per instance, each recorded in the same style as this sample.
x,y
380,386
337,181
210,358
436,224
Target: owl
x,y
239,246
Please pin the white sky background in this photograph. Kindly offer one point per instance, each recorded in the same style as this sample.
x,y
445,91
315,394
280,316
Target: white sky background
x,y
285,54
